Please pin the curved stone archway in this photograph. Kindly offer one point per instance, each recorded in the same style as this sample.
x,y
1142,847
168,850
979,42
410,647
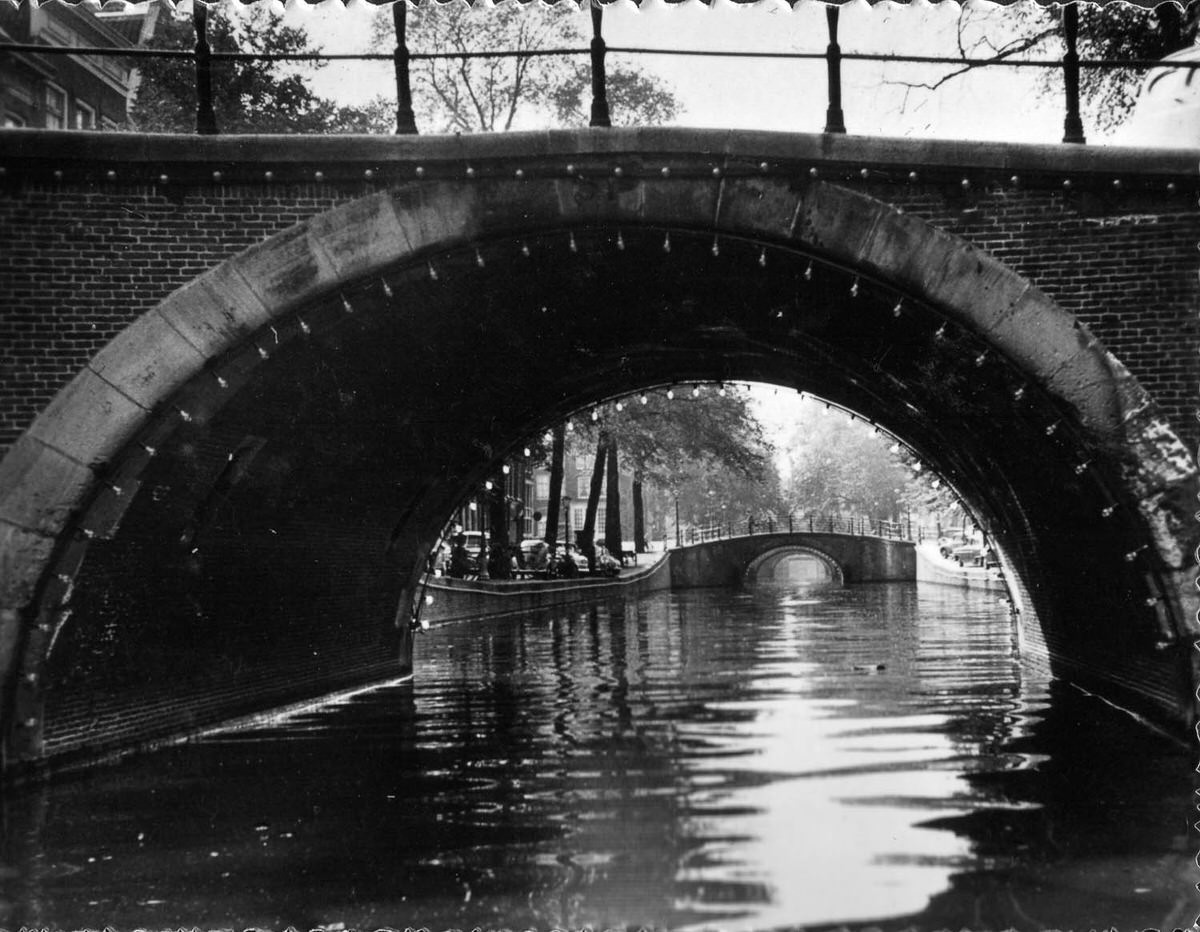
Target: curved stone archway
x,y
313,408
769,560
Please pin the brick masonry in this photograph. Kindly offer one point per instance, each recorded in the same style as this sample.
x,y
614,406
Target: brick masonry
x,y
78,263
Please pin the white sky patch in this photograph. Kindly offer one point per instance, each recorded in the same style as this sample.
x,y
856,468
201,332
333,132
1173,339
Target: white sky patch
x,y
1000,104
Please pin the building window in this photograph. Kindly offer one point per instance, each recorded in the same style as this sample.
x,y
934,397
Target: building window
x,y
583,486
542,485
56,107
85,116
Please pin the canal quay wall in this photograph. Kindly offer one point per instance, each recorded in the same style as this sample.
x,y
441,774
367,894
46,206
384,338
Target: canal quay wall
x,y
463,600
933,569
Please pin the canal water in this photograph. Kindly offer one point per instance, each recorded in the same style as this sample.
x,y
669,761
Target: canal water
x,y
875,755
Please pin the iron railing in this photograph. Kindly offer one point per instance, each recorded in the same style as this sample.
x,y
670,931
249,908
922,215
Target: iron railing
x,y
203,58
803,523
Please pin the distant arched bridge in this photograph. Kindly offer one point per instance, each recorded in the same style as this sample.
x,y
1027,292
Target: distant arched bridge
x,y
245,380
848,558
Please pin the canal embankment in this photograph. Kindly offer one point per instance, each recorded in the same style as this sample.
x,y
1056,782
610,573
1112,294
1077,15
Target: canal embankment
x,y
933,568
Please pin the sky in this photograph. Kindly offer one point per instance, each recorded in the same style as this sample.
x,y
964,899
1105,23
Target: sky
x,y
996,104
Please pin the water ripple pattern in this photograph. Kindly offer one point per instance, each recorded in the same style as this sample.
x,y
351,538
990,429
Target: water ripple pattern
x,y
702,760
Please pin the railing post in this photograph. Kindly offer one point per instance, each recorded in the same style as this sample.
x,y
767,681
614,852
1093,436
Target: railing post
x,y
599,83
790,529
810,522
1072,125
834,121
206,117
406,120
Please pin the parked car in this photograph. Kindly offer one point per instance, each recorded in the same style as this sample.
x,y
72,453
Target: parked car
x,y
535,554
946,545
969,554
975,554
606,563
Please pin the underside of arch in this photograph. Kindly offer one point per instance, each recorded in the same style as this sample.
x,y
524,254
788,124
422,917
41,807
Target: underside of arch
x,y
279,442
769,559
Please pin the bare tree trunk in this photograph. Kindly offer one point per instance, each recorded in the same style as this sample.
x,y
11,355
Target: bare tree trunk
x,y
498,532
612,505
639,514
588,542
556,480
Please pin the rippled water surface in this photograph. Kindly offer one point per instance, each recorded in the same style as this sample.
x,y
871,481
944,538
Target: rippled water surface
x,y
708,759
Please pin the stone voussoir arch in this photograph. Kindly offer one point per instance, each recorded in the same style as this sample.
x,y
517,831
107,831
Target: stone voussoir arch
x,y
58,467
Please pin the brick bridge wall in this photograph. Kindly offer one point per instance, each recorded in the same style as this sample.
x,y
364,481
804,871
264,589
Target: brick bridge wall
x,y
83,253
1108,234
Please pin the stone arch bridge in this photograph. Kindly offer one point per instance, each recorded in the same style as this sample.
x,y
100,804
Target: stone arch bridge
x,y
246,379
847,558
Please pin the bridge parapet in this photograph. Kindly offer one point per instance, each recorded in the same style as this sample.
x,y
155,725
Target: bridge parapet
x,y
860,558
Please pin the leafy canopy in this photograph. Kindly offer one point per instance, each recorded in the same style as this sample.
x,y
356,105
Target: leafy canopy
x,y
248,96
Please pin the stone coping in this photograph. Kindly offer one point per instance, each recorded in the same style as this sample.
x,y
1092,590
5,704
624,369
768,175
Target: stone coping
x,y
345,154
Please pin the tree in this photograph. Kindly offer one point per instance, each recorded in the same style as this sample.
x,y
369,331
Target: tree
x,y
1113,31
612,509
711,494
494,94
248,96
678,443
839,466
1125,31
557,453
588,534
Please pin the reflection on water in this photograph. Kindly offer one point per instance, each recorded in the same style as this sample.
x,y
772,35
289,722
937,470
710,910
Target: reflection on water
x,y
705,759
